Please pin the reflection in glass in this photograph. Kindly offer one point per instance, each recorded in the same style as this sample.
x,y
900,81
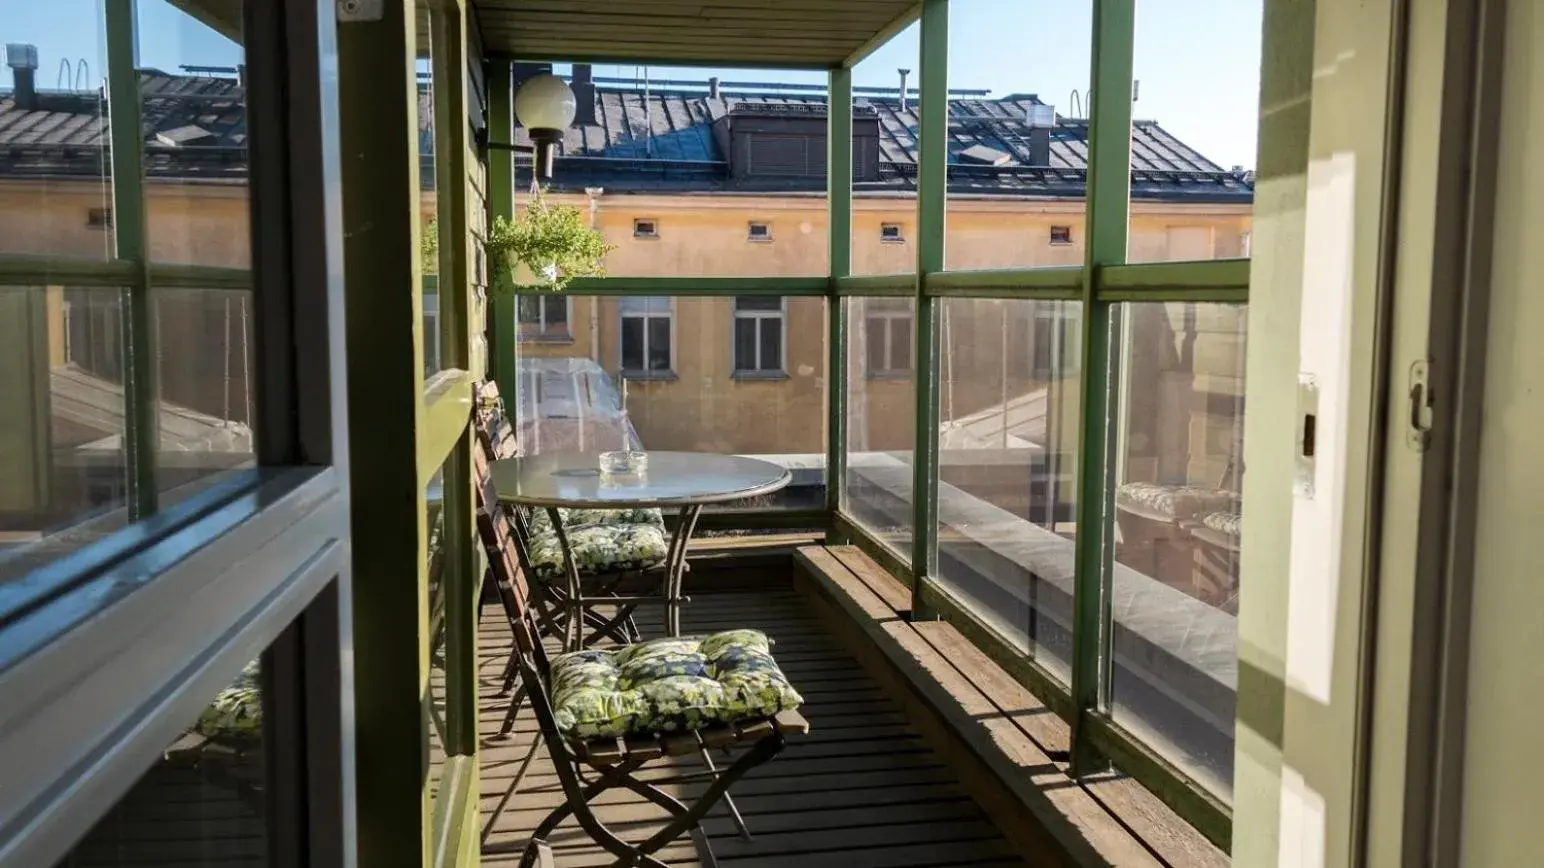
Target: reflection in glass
x,y
881,409
63,482
1008,406
204,385
670,374
884,153
58,198
1178,510
193,99
202,803
434,702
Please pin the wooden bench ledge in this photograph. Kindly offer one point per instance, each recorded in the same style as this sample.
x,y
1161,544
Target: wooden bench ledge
x,y
995,733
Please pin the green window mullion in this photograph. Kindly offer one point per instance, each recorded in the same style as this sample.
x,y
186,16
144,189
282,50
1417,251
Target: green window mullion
x,y
839,221
932,193
501,203
1108,203
138,339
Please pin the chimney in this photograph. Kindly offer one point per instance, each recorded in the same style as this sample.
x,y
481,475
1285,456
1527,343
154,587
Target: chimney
x,y
1041,119
904,73
584,94
713,92
23,61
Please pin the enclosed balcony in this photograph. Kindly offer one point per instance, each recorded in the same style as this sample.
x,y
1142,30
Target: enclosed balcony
x,y
278,346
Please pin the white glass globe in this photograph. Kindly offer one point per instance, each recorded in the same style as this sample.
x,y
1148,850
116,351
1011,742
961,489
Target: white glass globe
x,y
545,102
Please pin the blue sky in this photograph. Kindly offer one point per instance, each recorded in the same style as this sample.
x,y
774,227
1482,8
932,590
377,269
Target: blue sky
x,y
1197,61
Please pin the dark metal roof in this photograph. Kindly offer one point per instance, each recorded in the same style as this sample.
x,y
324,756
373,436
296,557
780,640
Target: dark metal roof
x,y
662,141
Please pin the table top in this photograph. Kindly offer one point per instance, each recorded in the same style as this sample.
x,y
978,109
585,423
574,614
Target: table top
x,y
574,479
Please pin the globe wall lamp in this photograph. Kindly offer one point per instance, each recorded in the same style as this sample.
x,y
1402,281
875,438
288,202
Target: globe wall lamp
x,y
545,106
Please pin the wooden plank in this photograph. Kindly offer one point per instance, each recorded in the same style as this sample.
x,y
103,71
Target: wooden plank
x,y
1042,809
1174,840
890,589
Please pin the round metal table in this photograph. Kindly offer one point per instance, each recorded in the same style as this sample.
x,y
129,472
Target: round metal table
x,y
687,481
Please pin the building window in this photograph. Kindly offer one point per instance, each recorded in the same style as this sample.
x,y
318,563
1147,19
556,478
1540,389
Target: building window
x,y
758,336
887,330
890,233
645,228
1061,234
544,318
646,336
99,218
761,232
431,303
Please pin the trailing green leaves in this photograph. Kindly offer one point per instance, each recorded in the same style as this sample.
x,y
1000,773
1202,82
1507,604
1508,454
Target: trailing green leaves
x,y
555,243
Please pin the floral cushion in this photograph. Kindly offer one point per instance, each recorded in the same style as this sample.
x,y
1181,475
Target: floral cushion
x,y
1230,523
236,712
572,518
669,685
1176,501
598,548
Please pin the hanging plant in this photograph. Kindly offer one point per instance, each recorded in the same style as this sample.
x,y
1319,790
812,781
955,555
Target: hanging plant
x,y
555,243
429,247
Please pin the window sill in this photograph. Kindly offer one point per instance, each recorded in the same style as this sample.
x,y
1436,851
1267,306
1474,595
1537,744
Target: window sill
x,y
546,339
655,376
888,375
759,375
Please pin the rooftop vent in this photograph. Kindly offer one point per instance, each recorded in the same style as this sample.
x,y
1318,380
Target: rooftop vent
x,y
1041,119
904,73
186,136
982,155
23,61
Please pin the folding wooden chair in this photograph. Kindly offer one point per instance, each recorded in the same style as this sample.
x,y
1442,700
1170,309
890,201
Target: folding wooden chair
x,y
586,768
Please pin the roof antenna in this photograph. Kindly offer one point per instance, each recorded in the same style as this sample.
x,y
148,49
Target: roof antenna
x,y
62,80
82,74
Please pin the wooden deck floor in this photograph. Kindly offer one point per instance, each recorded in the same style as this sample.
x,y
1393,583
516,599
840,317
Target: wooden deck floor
x,y
860,791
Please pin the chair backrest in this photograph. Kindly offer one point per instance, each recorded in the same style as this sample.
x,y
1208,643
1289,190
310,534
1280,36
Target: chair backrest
x,y
492,419
493,526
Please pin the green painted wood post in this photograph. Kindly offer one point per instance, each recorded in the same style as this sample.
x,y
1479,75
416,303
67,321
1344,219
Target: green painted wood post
x,y
461,582
378,97
1108,197
932,191
839,245
501,203
140,428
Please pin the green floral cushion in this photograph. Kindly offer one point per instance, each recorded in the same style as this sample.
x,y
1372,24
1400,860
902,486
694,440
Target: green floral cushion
x,y
236,712
572,518
598,548
669,685
1230,523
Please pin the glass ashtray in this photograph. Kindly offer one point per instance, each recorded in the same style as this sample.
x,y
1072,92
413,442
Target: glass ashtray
x,y
624,463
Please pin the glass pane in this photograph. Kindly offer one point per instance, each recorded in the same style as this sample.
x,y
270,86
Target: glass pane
x,y
434,702
427,181
1193,166
1007,462
573,397
194,105
557,313
881,414
632,343
58,197
884,158
772,344
651,146
745,344
529,309
901,345
659,343
204,386
202,803
1179,473
431,325
63,482
1018,132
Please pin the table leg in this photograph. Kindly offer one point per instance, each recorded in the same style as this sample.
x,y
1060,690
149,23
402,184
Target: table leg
x,y
675,567
573,626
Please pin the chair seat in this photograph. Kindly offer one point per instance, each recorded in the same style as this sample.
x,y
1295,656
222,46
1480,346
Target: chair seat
x,y
599,548
1230,523
1175,501
669,685
236,712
